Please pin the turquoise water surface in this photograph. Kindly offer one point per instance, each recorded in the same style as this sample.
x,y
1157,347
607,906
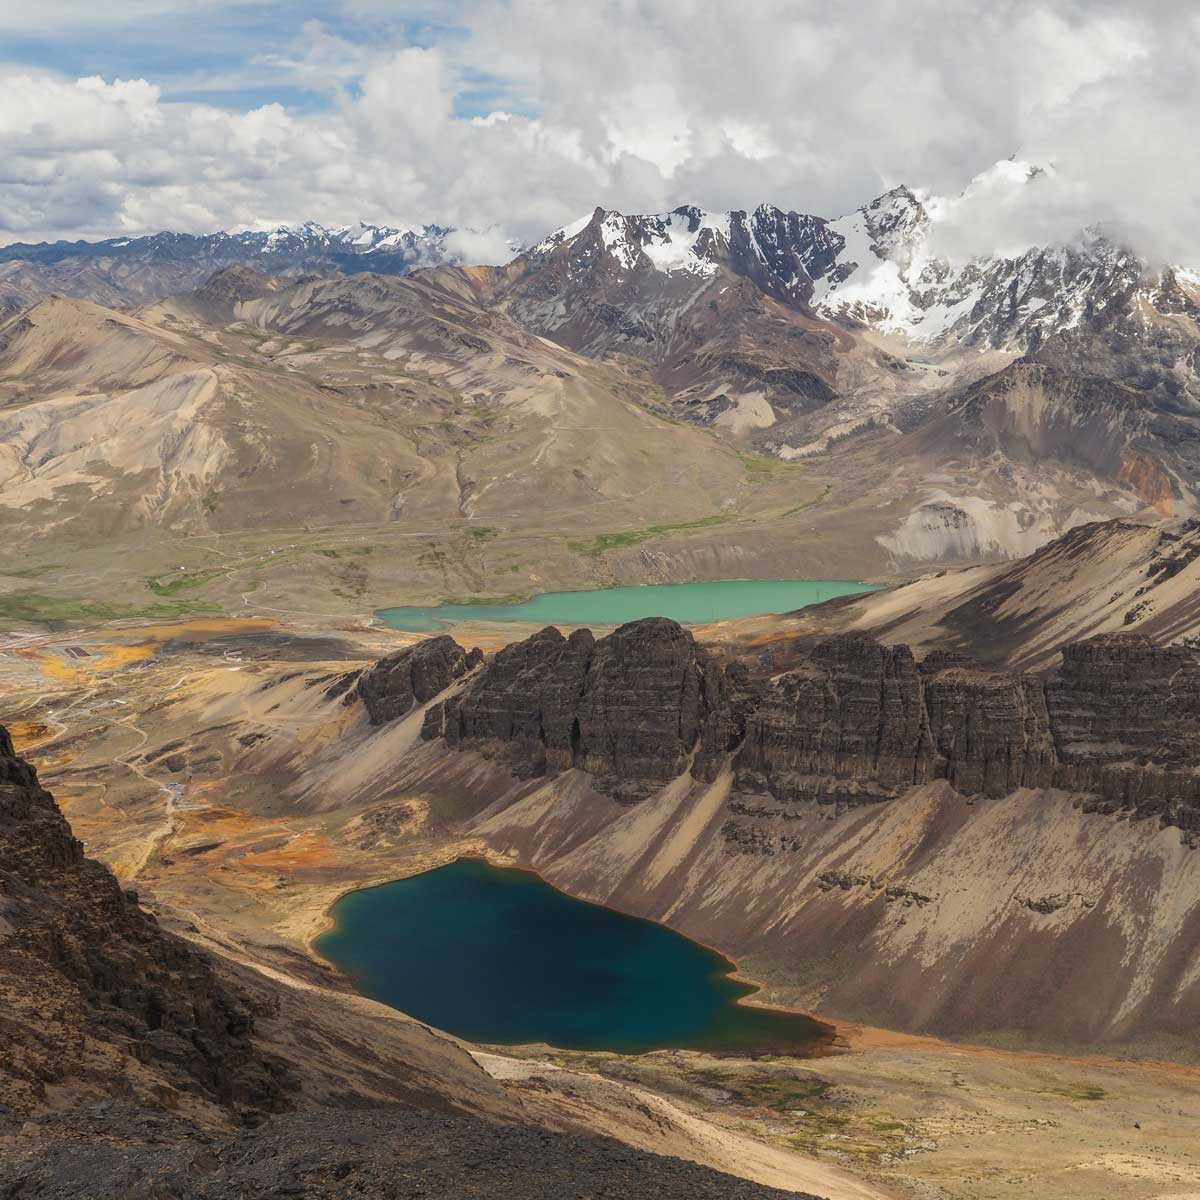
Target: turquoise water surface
x,y
685,602
499,956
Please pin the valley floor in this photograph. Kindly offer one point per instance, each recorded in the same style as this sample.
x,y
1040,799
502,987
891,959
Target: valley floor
x,y
195,759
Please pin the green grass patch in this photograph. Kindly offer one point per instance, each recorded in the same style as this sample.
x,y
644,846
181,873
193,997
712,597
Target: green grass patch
x,y
182,581
31,572
511,598
791,512
481,533
633,537
766,468
779,1089
1078,1091
36,608
347,552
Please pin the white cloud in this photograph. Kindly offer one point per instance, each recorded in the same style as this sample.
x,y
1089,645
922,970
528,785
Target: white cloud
x,y
643,106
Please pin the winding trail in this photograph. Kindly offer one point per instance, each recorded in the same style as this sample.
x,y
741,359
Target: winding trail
x,y
171,793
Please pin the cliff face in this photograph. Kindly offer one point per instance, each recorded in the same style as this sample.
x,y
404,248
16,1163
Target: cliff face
x,y
855,722
920,846
413,675
91,987
628,708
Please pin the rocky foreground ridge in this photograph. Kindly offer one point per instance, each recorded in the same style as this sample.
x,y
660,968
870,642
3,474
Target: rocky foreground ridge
x,y
131,1068
856,722
92,988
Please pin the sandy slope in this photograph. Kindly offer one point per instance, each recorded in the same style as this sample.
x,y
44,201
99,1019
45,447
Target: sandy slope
x,y
288,799
568,1099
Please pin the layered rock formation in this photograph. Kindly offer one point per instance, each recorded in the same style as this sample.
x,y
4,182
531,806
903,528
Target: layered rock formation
x,y
855,722
629,708
412,676
91,987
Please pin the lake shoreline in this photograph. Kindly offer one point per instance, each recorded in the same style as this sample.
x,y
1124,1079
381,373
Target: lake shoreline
x,y
728,599
826,1037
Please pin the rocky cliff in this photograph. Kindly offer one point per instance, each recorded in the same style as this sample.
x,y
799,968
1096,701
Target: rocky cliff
x,y
125,1051
92,988
412,676
856,721
629,708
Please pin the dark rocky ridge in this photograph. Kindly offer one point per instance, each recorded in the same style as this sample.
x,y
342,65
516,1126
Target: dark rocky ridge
x,y
629,707
413,675
80,962
382,1153
855,722
112,1028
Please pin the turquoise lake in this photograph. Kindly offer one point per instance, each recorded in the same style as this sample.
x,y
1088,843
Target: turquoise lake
x,y
686,602
499,956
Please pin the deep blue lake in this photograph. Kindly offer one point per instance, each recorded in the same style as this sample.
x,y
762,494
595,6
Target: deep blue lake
x,y
499,956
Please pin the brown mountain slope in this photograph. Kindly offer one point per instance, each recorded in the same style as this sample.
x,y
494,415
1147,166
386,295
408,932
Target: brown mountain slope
x,y
359,402
798,822
1102,577
132,1056
95,994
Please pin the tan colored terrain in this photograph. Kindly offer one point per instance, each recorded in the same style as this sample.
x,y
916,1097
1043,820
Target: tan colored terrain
x,y
314,450
1099,578
205,764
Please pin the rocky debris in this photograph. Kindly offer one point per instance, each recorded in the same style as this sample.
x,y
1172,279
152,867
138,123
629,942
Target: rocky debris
x,y
891,893
855,722
743,837
114,1152
412,676
1177,550
380,825
828,880
1051,904
81,965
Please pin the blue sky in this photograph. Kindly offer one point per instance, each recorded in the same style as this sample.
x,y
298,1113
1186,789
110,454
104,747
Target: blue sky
x,y
228,53
128,116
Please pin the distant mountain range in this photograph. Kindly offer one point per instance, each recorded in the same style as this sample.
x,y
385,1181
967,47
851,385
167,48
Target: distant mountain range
x,y
965,408
123,271
876,267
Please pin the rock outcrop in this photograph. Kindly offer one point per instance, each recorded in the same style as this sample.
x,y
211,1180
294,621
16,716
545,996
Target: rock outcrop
x,y
412,676
629,707
92,988
856,722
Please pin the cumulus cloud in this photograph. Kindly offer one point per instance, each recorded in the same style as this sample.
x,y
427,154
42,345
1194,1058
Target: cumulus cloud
x,y
515,116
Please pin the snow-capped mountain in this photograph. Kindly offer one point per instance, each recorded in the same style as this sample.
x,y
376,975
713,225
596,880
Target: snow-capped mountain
x,y
136,270
781,251
881,266
416,247
888,274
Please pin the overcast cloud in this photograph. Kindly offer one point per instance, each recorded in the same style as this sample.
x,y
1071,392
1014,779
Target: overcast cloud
x,y
513,118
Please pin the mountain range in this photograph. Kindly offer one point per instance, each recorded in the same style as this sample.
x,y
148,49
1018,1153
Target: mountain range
x,y
124,271
704,393
963,804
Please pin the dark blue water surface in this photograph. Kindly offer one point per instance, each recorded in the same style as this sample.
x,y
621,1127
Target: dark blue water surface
x,y
500,956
